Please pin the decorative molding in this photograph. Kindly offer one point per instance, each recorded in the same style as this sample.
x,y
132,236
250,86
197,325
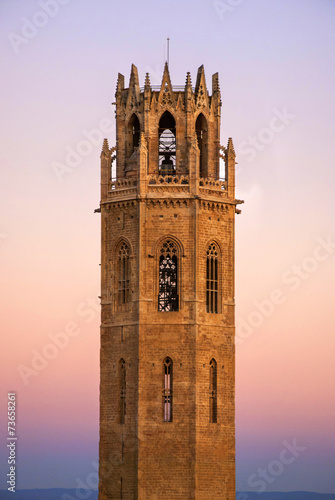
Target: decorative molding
x,y
168,203
167,180
215,184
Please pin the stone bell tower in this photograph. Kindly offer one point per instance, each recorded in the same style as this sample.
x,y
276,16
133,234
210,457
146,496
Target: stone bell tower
x,y
167,294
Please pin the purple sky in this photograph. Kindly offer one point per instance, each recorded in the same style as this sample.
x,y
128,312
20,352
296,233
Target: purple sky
x,y
276,64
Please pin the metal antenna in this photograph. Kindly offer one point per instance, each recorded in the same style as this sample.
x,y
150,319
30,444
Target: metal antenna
x,y
168,50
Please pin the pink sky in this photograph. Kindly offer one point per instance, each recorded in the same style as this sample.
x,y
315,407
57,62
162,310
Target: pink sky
x,y
276,67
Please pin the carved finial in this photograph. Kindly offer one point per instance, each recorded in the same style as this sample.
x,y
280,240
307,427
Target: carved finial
x,y
230,145
230,148
105,146
215,83
188,80
147,81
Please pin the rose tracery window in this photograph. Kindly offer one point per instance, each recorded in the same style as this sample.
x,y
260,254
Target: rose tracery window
x,y
212,279
167,390
168,277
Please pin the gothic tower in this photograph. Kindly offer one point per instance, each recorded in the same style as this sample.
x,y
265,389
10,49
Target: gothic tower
x,y
167,294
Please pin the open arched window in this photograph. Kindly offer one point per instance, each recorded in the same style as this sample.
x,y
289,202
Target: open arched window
x,y
167,390
212,392
168,277
122,385
133,134
123,273
167,144
202,138
212,279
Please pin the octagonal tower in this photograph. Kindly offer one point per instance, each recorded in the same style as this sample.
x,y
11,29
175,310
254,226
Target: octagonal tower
x,y
167,294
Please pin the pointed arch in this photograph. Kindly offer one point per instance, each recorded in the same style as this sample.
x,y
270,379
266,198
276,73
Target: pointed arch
x,y
123,272
201,129
133,134
213,260
167,389
169,236
168,257
213,391
167,144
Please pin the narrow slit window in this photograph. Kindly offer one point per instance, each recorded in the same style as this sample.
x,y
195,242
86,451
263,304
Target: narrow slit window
x,y
122,377
212,279
213,392
168,278
167,390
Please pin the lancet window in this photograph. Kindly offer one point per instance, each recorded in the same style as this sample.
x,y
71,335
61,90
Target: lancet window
x,y
123,274
168,277
212,279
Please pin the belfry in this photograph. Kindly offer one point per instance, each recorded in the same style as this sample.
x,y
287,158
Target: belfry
x,y
167,390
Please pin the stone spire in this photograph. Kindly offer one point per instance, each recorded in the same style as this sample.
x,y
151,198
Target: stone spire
x,y
134,88
119,85
166,96
201,94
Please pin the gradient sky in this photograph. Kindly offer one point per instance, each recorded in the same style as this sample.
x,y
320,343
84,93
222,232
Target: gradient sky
x,y
275,59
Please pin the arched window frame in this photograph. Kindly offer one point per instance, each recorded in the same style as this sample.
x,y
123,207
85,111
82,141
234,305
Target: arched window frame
x,y
201,131
213,374
169,273
167,392
133,134
122,274
213,278
167,143
122,391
